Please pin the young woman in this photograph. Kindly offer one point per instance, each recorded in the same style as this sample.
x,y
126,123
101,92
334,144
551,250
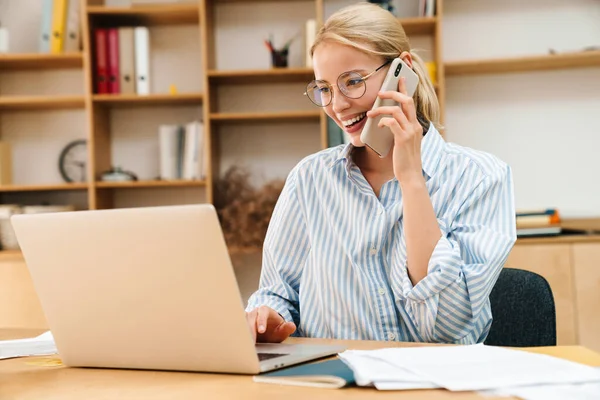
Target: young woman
x,y
406,247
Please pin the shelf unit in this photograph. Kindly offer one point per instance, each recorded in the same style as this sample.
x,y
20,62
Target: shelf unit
x,y
97,107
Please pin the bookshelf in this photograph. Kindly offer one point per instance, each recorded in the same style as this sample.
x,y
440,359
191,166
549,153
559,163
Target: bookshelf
x,y
100,110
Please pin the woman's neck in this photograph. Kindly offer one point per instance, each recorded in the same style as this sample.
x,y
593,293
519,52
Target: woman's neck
x,y
369,162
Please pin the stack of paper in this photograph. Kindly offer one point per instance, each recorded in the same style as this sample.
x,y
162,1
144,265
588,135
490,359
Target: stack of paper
x,y
465,368
38,346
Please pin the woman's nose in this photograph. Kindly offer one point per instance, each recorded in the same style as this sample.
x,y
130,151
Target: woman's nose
x,y
339,102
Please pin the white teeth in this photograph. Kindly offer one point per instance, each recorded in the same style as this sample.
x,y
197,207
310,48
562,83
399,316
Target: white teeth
x,y
353,120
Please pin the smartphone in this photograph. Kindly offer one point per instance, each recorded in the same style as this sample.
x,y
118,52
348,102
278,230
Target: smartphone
x,y
381,140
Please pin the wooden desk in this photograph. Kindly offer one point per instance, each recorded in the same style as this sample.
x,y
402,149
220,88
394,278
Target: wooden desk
x,y
20,380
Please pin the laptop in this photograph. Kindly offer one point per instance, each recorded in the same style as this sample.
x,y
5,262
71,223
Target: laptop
x,y
146,288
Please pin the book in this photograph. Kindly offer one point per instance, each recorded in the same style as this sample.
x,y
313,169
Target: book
x,y
331,374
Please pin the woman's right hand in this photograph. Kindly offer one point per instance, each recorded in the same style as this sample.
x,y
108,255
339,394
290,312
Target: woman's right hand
x,y
268,326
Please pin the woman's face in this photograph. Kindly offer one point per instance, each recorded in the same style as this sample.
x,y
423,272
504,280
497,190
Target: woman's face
x,y
332,59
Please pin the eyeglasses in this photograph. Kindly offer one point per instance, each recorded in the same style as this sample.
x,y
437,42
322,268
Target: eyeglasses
x,y
351,84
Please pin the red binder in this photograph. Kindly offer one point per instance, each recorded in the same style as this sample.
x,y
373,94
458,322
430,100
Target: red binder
x,y
113,61
101,60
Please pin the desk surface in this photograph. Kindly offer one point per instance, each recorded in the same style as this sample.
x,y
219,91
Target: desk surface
x,y
20,380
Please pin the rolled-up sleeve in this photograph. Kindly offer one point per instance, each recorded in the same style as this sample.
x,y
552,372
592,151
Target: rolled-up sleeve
x,y
447,305
285,251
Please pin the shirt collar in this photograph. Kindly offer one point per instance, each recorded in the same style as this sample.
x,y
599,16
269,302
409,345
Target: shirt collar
x,y
431,150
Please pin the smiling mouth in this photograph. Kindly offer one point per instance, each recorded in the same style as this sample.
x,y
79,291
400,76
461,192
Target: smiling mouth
x,y
353,121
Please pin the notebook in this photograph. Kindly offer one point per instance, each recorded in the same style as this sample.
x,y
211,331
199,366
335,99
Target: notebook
x,y
331,374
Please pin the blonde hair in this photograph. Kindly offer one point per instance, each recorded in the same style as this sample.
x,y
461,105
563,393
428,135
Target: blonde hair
x,y
369,28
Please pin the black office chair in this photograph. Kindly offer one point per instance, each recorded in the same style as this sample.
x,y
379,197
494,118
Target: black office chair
x,y
523,310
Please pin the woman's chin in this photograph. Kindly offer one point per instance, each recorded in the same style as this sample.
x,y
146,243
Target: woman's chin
x,y
355,139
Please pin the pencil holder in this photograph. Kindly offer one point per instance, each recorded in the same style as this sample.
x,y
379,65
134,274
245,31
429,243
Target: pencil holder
x,y
279,58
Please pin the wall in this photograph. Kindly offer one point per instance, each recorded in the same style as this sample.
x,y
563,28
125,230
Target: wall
x,y
544,124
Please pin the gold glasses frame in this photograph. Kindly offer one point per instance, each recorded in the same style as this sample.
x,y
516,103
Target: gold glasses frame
x,y
312,85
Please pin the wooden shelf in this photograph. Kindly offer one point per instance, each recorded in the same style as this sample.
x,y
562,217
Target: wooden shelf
x,y
419,25
524,64
290,116
43,188
275,75
149,184
11,255
167,14
18,103
36,61
127,100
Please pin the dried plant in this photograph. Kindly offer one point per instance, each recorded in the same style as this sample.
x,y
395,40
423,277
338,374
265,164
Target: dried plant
x,y
244,211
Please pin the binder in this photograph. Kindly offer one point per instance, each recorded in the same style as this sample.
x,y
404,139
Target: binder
x,y
193,153
72,28
310,35
46,26
142,60
168,139
113,60
126,61
4,40
101,60
59,17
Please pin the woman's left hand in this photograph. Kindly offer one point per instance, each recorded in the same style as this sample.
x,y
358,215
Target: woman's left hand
x,y
408,133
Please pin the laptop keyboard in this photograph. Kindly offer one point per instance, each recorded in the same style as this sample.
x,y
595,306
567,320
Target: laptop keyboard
x,y
267,356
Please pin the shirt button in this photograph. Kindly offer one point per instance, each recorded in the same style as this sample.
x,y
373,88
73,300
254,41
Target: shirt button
x,y
391,336
381,291
380,210
373,251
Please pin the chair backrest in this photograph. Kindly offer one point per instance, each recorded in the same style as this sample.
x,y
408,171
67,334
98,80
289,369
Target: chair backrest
x,y
523,310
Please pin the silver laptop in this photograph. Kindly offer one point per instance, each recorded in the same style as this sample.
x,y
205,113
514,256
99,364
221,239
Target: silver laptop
x,y
145,288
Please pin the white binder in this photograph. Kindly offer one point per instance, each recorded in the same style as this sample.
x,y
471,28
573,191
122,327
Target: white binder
x,y
142,59
46,26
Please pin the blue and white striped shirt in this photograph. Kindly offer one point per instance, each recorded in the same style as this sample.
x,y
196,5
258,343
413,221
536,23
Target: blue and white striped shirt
x,y
334,257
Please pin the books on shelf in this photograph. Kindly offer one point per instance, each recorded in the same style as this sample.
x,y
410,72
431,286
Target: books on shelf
x,y
181,151
542,222
122,62
60,27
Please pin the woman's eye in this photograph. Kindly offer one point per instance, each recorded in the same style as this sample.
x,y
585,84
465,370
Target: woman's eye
x,y
353,82
323,90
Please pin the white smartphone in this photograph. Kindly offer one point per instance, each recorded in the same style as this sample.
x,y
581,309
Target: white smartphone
x,y
381,139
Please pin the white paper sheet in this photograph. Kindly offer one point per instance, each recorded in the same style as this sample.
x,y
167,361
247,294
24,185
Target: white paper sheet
x,y
480,367
370,371
41,345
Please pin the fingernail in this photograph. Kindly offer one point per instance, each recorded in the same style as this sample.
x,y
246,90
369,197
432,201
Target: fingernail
x,y
261,328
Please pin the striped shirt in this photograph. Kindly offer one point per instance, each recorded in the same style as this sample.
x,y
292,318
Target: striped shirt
x,y
334,257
